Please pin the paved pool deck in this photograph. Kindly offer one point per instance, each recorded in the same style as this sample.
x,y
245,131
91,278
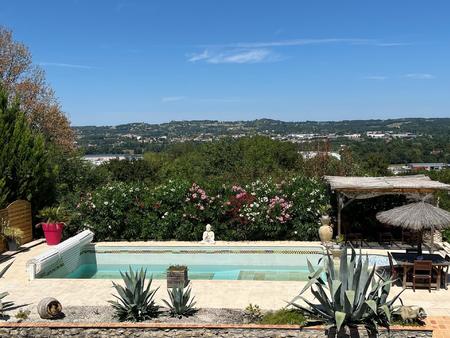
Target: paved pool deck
x,y
209,293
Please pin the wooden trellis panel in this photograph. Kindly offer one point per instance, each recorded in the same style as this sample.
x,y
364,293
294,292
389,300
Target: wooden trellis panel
x,y
18,214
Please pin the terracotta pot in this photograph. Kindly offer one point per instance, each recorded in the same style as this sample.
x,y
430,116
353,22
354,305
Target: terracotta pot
x,y
49,308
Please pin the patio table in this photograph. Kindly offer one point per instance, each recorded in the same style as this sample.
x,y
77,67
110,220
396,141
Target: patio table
x,y
406,260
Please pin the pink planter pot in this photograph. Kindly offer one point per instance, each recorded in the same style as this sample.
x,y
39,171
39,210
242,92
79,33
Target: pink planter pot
x,y
53,232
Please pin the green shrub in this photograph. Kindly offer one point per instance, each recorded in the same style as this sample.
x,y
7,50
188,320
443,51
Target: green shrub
x,y
284,316
178,209
253,313
400,322
22,314
116,211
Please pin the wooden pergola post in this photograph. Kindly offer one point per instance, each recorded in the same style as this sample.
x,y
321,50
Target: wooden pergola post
x,y
340,202
341,205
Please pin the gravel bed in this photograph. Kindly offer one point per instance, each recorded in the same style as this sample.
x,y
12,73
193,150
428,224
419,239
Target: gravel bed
x,y
78,314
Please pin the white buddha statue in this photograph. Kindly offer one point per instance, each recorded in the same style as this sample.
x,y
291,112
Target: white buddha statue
x,y
208,235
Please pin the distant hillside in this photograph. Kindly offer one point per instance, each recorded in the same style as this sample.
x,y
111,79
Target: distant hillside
x,y
137,137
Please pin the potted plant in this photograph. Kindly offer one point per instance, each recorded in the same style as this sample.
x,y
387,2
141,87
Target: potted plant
x,y
336,249
13,236
53,224
177,276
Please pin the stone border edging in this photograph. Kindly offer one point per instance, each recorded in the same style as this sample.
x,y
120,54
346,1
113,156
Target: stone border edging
x,y
103,325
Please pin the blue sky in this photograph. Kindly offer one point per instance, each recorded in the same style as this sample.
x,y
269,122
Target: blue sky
x,y
114,62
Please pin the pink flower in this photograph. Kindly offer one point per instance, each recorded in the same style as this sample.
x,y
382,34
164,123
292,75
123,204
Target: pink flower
x,y
240,195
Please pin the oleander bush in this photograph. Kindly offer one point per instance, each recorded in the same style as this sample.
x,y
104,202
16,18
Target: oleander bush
x,y
179,209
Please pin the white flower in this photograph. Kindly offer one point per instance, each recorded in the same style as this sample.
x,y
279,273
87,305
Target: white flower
x,y
166,213
106,203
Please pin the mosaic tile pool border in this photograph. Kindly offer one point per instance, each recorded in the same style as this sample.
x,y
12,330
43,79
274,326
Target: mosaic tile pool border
x,y
195,251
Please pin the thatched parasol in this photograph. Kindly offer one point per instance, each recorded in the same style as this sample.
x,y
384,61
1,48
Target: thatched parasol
x,y
417,216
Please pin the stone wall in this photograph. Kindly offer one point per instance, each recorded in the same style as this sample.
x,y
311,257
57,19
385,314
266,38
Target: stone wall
x,y
41,332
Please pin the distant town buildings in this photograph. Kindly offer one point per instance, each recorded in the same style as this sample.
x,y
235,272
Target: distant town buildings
x,y
428,166
307,155
399,169
102,158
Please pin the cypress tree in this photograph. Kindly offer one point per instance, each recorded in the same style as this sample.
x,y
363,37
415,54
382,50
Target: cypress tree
x,y
25,168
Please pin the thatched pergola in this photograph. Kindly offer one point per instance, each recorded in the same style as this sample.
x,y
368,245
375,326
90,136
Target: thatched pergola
x,y
417,216
350,188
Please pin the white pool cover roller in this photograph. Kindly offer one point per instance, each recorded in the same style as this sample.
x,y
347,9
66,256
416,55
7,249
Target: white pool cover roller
x,y
68,252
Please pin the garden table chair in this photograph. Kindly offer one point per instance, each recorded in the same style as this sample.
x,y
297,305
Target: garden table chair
x,y
422,271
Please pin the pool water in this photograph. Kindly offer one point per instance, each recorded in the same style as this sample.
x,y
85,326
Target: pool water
x,y
268,263
198,272
204,263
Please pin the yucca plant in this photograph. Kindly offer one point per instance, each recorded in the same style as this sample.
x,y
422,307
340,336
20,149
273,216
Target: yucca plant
x,y
135,301
356,294
180,302
4,306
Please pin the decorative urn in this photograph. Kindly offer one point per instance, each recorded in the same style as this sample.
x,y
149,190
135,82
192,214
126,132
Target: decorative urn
x,y
325,230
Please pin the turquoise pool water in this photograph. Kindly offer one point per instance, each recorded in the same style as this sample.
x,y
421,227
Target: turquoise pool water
x,y
286,263
196,272
204,263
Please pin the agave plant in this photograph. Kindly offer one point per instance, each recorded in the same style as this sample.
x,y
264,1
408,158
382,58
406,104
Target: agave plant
x,y
181,303
356,294
136,302
4,306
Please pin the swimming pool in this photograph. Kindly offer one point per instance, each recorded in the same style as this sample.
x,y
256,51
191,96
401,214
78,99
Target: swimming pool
x,y
270,263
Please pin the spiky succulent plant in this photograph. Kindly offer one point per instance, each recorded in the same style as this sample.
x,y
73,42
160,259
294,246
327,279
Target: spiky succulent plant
x,y
135,301
4,306
356,294
180,302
